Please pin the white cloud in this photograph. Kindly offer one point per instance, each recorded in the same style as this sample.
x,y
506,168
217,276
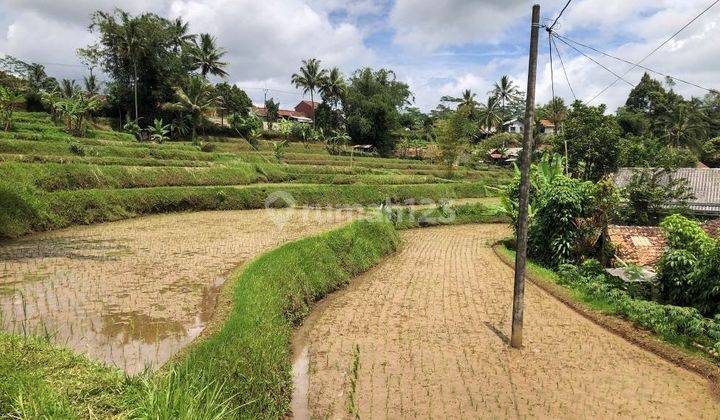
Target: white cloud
x,y
266,41
428,25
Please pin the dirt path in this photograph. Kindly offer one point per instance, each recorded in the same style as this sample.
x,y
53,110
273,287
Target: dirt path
x,y
431,324
132,293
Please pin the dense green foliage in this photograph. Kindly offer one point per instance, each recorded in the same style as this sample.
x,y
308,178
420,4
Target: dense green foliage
x,y
672,323
372,107
566,214
653,193
451,136
689,271
592,140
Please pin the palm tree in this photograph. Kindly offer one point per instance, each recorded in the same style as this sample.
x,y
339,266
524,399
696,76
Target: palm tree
x,y
467,99
310,78
68,88
92,87
505,91
206,56
684,127
181,34
490,114
195,100
333,87
130,44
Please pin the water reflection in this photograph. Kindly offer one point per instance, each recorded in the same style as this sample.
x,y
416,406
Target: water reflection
x,y
131,293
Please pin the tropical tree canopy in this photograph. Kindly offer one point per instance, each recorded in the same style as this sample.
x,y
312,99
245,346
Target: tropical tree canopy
x,y
206,57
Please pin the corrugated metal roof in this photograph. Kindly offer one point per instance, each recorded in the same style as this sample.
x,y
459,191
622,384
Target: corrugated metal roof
x,y
704,183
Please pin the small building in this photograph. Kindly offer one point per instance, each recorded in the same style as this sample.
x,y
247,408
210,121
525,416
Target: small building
x,y
514,126
505,156
307,109
703,182
547,127
304,112
638,249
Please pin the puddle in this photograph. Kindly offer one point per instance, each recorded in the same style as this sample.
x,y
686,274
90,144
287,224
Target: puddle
x,y
132,293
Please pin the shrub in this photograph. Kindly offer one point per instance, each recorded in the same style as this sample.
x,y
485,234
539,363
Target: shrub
x,y
77,149
689,271
671,322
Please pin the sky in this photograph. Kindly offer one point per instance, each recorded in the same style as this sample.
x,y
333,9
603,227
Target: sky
x,y
438,47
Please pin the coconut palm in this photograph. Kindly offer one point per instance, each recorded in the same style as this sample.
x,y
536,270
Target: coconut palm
x,y
181,34
130,46
333,87
195,100
466,100
490,114
505,91
68,88
310,78
684,127
92,87
206,57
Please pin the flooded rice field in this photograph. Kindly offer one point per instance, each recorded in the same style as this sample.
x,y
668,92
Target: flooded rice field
x,y
132,293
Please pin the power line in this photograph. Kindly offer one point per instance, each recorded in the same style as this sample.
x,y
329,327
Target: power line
x,y
630,62
552,74
557,51
561,13
656,48
619,77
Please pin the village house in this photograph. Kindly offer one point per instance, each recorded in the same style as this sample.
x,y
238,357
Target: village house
x,y
505,156
547,127
643,246
304,112
514,126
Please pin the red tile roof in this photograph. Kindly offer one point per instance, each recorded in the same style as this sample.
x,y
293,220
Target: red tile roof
x,y
712,227
547,123
262,112
639,245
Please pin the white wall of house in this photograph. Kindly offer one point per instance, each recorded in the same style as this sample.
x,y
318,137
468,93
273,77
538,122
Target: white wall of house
x,y
514,126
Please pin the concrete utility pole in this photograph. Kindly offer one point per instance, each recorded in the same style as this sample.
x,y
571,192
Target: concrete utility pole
x,y
522,227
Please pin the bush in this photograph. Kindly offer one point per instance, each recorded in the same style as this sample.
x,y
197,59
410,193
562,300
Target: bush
x,y
77,149
689,271
673,323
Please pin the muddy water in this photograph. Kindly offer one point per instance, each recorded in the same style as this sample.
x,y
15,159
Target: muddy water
x,y
132,293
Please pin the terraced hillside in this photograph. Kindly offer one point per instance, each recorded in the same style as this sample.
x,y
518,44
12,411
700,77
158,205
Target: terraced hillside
x,y
49,179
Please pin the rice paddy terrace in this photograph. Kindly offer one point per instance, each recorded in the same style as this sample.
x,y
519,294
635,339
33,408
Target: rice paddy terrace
x,y
421,333
131,293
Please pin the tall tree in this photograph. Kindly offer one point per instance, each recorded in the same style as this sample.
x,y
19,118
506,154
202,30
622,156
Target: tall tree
x,y
140,54
506,91
206,57
310,78
491,116
593,140
372,107
466,100
182,38
273,109
333,87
